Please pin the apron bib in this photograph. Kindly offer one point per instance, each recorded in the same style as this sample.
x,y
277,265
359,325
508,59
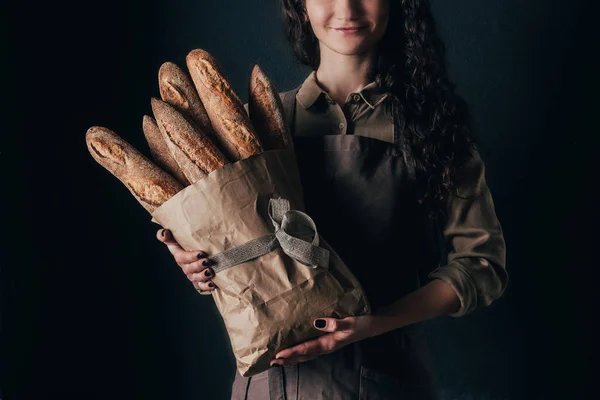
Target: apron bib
x,y
362,197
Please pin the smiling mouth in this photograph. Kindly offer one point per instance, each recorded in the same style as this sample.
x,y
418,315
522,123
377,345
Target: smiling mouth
x,y
350,29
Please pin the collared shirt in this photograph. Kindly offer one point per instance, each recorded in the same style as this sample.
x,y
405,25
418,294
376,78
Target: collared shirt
x,y
365,113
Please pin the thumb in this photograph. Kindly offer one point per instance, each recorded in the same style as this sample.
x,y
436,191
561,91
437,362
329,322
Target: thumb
x,y
331,324
165,236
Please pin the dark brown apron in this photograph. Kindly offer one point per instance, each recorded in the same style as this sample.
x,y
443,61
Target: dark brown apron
x,y
362,197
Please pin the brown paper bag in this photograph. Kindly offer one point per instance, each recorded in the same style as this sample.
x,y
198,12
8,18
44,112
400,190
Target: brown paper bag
x,y
269,302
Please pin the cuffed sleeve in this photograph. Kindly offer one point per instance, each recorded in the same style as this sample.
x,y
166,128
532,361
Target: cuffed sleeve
x,y
476,266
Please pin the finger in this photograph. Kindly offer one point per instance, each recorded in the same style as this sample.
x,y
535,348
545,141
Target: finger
x,y
294,360
181,255
206,275
198,266
206,286
334,324
160,234
305,348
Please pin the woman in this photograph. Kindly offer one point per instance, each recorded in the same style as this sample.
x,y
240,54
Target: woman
x,y
390,171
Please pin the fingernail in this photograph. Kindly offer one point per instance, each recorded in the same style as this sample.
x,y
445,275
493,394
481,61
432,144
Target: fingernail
x,y
206,263
207,272
201,254
163,232
211,284
320,323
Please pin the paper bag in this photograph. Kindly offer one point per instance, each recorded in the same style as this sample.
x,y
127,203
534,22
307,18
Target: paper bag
x,y
268,302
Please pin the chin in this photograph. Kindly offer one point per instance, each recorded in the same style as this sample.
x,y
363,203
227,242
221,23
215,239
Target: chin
x,y
349,49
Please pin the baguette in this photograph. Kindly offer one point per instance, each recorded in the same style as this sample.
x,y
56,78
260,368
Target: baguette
x,y
148,183
193,151
266,111
160,150
232,126
177,89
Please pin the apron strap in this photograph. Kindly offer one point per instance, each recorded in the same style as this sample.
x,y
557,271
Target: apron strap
x,y
398,128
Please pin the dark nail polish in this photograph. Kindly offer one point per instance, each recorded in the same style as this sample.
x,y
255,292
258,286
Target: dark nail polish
x,y
207,272
163,232
320,323
201,254
211,284
206,263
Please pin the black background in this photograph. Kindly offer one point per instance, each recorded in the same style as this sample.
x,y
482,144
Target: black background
x,y
94,307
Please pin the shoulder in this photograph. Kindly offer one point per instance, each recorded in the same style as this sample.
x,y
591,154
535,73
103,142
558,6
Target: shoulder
x,y
289,92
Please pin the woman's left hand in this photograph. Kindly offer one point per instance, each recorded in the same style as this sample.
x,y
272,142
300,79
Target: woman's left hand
x,y
342,332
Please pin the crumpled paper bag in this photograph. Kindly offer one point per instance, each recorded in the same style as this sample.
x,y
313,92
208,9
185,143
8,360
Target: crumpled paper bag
x,y
269,302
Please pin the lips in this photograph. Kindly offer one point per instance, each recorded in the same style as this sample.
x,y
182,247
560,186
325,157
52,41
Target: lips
x,y
349,28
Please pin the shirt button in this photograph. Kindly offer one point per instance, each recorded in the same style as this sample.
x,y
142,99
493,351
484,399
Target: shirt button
x,y
356,97
341,125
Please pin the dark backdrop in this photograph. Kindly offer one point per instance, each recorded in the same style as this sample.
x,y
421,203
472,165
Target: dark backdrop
x,y
94,307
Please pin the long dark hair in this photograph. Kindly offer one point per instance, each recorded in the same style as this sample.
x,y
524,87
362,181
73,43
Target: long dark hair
x,y
433,120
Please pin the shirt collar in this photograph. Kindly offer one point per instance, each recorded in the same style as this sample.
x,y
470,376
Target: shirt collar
x,y
310,92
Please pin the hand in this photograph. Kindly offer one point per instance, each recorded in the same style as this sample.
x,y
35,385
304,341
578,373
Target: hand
x,y
342,332
194,264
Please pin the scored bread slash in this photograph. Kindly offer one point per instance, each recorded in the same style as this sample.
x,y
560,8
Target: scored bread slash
x,y
194,152
231,124
149,184
266,111
177,89
160,150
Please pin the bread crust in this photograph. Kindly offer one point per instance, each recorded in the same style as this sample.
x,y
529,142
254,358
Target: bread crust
x,y
160,150
149,184
177,89
232,126
194,152
266,111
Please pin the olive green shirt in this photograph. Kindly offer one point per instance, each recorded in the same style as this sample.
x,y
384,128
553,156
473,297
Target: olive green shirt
x,y
476,264
364,113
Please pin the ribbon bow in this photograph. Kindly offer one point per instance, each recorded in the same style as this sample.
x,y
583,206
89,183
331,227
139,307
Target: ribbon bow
x,y
289,224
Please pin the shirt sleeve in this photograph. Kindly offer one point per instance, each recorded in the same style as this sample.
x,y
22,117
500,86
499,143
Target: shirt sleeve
x,y
476,265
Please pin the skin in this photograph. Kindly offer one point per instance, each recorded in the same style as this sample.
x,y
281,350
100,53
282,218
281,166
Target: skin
x,y
190,262
343,70
345,58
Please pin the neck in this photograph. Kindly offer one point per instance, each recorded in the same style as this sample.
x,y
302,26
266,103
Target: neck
x,y
339,74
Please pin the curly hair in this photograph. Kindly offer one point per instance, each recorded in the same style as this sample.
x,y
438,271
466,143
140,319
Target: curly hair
x,y
409,63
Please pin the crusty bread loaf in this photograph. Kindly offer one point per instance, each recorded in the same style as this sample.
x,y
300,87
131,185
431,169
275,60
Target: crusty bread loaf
x,y
148,183
177,89
266,111
233,129
194,152
160,151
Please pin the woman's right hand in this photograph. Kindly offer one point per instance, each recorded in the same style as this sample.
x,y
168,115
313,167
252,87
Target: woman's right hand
x,y
195,264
